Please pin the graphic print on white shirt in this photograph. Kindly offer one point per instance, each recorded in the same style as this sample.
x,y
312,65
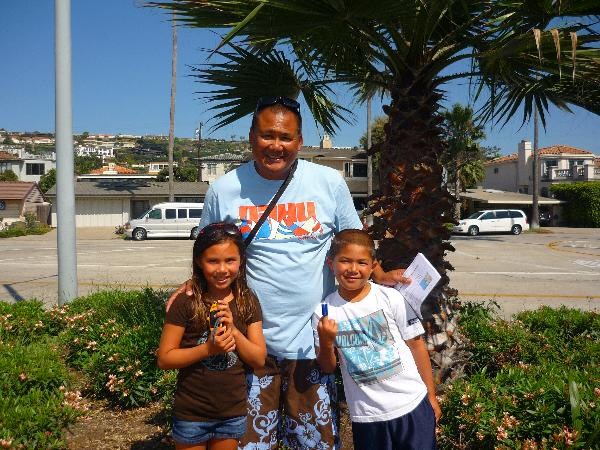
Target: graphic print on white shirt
x,y
368,347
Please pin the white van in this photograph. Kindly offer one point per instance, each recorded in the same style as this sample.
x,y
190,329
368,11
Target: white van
x,y
493,221
166,220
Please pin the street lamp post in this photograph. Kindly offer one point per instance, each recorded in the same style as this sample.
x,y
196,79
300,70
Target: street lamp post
x,y
199,131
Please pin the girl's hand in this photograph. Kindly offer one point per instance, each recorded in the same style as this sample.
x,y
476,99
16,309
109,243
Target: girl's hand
x,y
327,329
220,341
227,317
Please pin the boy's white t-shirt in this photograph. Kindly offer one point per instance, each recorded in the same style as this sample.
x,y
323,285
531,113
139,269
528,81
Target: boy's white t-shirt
x,y
381,380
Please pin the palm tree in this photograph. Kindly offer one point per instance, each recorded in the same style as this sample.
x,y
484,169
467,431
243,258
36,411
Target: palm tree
x,y
462,157
410,49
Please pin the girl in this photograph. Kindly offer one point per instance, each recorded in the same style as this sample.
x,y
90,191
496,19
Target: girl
x,y
210,337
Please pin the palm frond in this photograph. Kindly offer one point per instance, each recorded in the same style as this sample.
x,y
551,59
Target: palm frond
x,y
243,76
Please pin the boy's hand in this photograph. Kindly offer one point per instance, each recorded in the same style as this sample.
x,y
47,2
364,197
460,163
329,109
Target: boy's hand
x,y
185,287
327,329
437,410
391,278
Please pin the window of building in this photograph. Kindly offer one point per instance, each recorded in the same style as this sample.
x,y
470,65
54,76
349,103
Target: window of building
x,y
3,167
212,169
35,169
548,165
355,170
496,170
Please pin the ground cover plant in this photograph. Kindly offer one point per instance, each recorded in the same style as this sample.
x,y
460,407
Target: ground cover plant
x,y
532,383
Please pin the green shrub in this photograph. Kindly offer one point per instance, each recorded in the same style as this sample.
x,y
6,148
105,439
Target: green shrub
x,y
583,202
112,336
35,405
26,322
25,367
533,382
36,419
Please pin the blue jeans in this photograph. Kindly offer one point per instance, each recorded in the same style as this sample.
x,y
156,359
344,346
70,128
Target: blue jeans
x,y
412,431
187,432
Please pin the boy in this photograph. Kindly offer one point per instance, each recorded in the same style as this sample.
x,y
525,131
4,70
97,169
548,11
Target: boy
x,y
385,366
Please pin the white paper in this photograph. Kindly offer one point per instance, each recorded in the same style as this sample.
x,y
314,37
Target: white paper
x,y
424,277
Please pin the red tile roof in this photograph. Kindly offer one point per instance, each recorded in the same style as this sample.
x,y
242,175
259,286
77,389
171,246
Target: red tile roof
x,y
503,159
15,190
552,150
560,149
5,156
119,169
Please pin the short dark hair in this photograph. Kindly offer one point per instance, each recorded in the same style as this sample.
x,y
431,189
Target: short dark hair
x,y
351,236
277,104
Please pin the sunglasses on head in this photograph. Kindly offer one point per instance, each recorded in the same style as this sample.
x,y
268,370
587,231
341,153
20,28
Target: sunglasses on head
x,y
226,228
289,103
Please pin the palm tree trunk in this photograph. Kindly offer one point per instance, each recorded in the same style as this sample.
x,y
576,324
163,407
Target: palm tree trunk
x,y
412,206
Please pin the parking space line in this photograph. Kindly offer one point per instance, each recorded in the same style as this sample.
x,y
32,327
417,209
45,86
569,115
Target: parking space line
x,y
519,296
555,246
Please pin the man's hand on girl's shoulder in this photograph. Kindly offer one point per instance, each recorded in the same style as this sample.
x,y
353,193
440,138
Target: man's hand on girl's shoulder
x,y
184,288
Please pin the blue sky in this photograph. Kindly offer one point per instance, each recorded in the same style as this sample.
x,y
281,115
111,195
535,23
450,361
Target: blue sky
x,y
121,79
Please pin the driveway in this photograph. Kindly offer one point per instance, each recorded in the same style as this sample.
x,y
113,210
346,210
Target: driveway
x,y
519,272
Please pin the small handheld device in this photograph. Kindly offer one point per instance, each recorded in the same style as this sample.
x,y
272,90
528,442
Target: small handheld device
x,y
213,321
324,310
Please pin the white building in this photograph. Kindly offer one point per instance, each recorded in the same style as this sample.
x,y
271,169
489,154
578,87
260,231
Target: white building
x,y
102,150
155,167
558,164
212,167
27,167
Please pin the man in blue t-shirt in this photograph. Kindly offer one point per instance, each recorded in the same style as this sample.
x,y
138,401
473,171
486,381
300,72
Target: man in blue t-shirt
x,y
286,269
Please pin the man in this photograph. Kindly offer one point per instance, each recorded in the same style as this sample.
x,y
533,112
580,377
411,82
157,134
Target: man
x,y
289,400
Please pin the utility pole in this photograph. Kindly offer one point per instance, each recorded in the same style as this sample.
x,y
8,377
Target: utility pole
x,y
172,109
369,159
65,188
199,131
535,212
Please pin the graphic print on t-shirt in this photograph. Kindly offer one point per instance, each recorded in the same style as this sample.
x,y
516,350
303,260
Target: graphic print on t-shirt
x,y
286,221
368,348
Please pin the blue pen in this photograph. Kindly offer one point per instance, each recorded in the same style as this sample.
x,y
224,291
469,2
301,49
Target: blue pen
x,y
324,311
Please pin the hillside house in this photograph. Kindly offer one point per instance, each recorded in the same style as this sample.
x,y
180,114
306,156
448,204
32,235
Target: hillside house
x,y
18,198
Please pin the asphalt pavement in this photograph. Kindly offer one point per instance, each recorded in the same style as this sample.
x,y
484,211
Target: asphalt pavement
x,y
560,266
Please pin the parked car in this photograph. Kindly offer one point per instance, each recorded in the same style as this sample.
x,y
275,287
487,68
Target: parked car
x,y
166,220
493,221
545,218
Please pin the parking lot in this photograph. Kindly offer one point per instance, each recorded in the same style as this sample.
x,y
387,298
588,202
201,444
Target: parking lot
x,y
519,272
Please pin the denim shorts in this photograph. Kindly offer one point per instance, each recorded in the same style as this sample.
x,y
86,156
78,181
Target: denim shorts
x,y
187,432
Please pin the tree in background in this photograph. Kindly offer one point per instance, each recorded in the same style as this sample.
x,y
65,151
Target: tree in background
x,y
377,132
462,157
180,173
85,164
8,175
47,180
515,54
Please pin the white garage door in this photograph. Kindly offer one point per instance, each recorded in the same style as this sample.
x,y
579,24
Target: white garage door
x,y
102,212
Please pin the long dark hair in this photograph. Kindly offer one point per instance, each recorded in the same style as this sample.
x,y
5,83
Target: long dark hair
x,y
213,234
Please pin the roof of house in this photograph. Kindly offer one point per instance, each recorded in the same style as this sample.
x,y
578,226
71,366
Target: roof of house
x,y
137,188
226,157
552,150
5,156
345,153
119,169
495,196
16,190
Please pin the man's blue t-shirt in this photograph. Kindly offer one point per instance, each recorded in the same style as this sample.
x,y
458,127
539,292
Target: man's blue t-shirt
x,y
286,260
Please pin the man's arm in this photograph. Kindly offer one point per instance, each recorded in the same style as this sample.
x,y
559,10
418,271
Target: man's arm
x,y
390,278
421,357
